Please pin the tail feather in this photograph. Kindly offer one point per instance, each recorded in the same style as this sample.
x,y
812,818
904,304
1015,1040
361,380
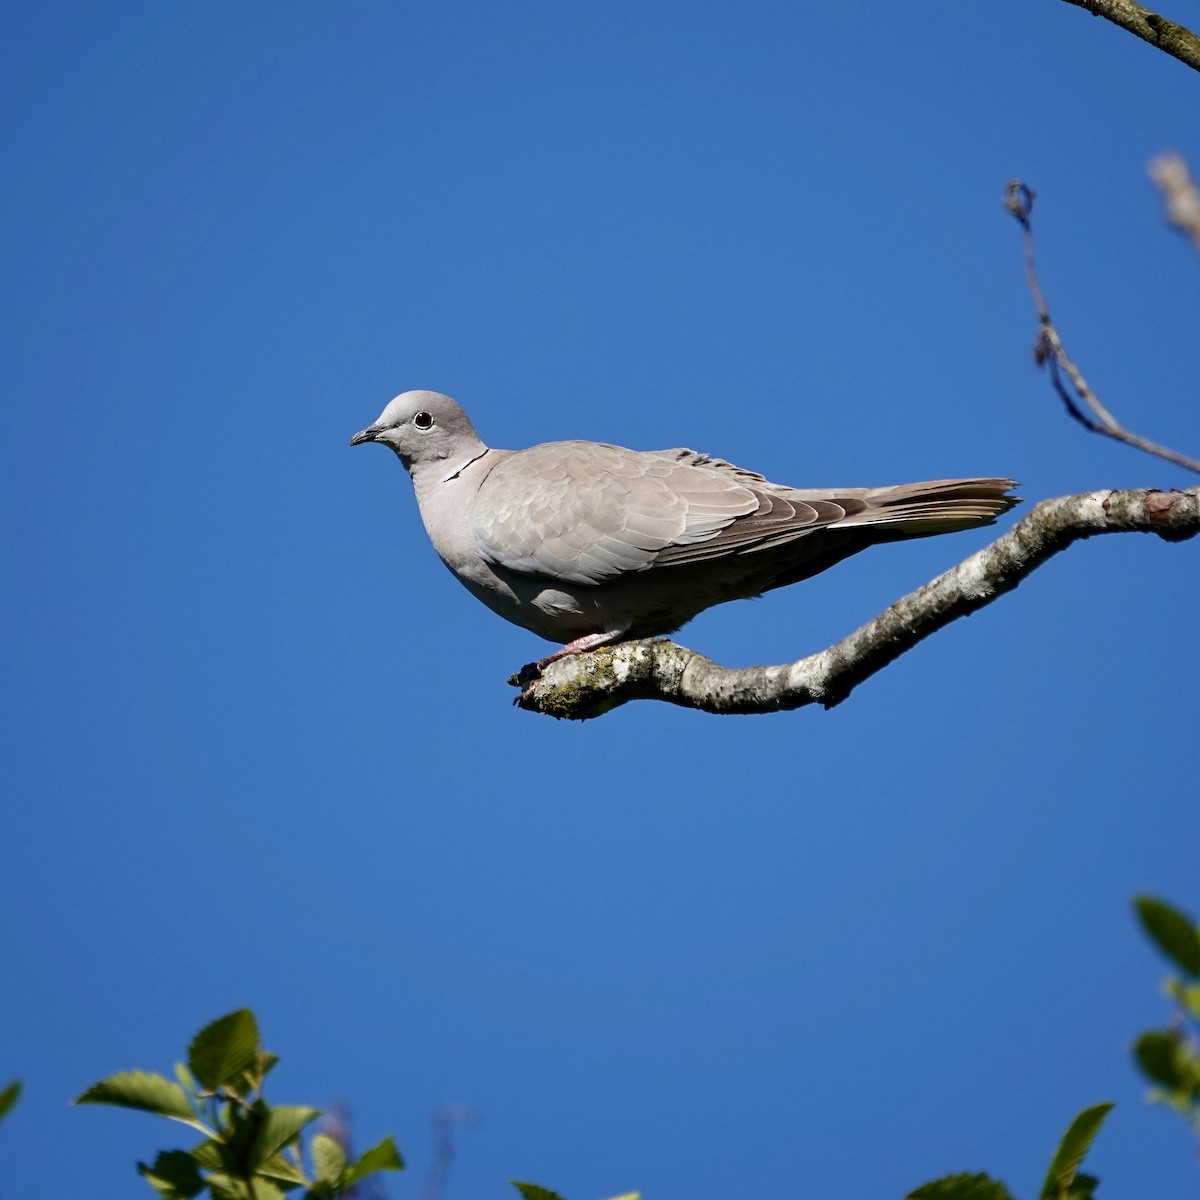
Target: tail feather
x,y
937,506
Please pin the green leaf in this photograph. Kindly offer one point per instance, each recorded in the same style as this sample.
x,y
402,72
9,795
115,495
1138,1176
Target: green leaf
x,y
329,1160
1172,931
282,1170
962,1187
1166,1059
279,1126
382,1157
174,1175
9,1097
146,1091
531,1191
1071,1151
222,1051
1156,1055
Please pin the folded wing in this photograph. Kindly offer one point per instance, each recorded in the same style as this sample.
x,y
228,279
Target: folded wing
x,y
585,512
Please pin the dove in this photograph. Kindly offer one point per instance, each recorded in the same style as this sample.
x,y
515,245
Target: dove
x,y
588,544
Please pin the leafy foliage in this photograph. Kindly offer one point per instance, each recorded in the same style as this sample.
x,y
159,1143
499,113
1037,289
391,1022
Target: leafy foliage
x,y
252,1150
1170,1058
1064,1181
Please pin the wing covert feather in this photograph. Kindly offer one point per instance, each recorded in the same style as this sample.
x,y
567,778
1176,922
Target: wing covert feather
x,y
584,512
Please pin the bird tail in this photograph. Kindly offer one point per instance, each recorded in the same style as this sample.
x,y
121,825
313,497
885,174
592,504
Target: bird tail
x,y
938,506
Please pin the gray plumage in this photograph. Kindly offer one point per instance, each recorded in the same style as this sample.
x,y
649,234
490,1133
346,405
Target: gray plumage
x,y
586,543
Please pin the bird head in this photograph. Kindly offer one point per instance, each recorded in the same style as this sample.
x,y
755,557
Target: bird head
x,y
424,428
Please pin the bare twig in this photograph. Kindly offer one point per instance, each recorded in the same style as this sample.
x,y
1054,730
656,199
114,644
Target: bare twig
x,y
587,685
1048,350
444,1121
1172,39
1172,177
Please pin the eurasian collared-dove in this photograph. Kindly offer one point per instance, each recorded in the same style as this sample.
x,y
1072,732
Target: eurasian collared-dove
x,y
587,544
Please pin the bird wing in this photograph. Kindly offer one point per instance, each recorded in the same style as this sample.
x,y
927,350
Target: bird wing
x,y
585,512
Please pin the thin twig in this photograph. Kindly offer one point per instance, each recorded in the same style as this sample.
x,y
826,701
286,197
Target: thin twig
x,y
1170,38
444,1121
587,685
1172,177
1048,350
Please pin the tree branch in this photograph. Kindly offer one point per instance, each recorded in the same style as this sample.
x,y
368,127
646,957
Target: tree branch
x,y
1172,39
1048,350
588,685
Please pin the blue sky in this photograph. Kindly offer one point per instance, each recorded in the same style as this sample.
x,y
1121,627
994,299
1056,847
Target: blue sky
x,y
258,745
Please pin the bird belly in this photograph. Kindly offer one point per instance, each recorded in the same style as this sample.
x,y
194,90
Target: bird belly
x,y
552,612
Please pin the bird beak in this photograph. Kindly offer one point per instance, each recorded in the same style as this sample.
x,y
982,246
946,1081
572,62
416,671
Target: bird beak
x,y
366,435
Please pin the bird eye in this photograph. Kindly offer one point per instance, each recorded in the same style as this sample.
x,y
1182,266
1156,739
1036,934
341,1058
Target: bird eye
x,y
423,420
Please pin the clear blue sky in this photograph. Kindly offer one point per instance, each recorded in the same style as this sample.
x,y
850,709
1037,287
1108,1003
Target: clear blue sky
x,y
257,744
